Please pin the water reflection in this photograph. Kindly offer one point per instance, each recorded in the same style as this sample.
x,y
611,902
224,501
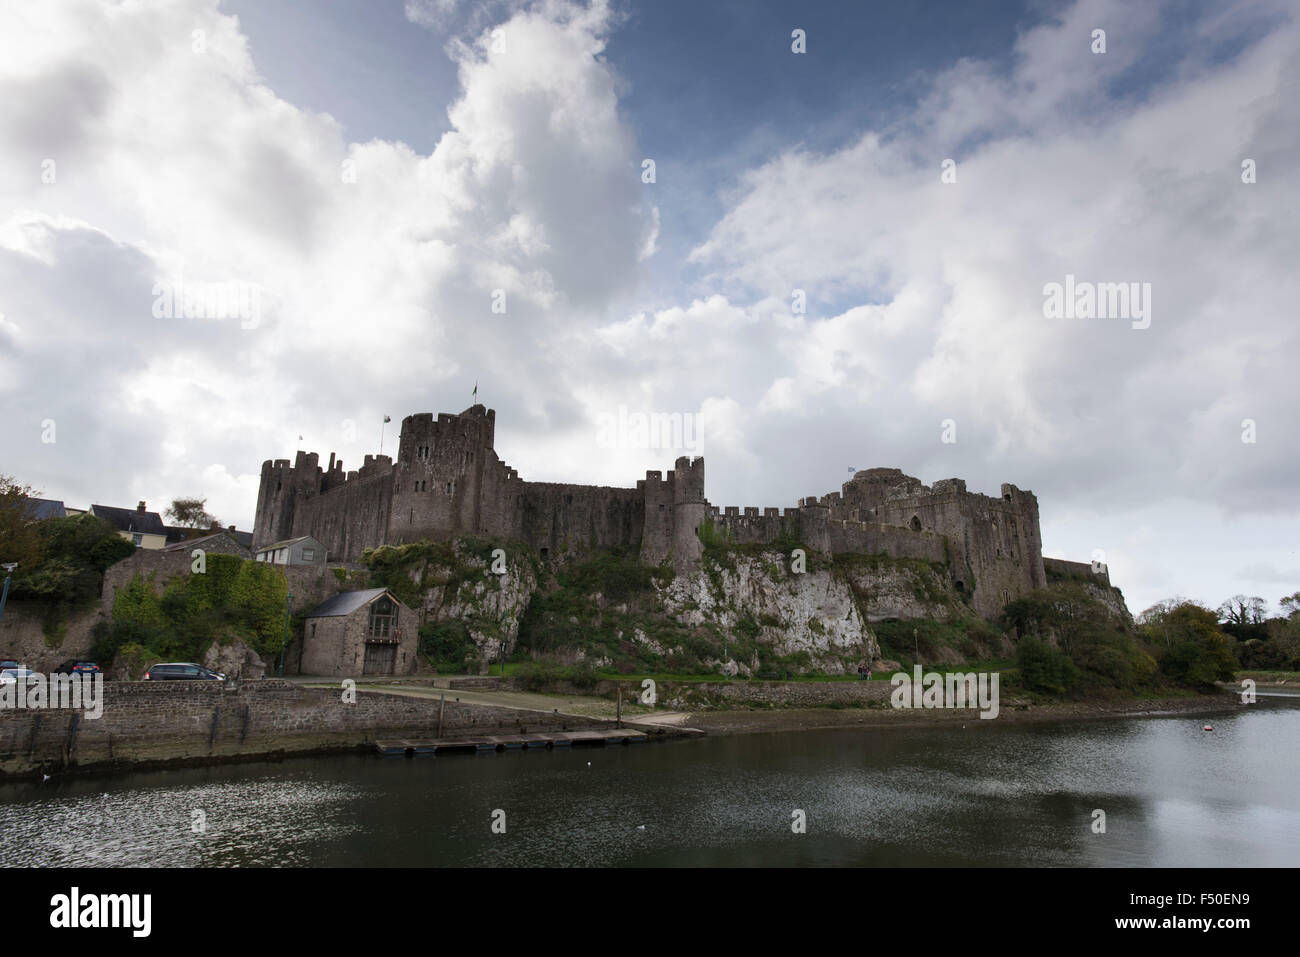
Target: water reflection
x,y
988,794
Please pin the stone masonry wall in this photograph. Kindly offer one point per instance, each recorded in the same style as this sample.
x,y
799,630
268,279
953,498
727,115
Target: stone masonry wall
x,y
144,721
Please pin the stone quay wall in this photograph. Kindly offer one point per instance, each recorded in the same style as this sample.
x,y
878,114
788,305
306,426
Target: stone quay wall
x,y
146,721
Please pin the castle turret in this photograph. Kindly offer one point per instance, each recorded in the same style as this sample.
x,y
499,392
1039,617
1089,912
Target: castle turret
x,y
690,509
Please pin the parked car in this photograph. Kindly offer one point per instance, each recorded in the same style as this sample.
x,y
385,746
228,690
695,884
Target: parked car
x,y
182,671
76,666
7,663
11,676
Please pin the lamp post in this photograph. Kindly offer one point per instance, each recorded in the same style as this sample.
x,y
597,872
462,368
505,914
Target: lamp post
x,y
4,595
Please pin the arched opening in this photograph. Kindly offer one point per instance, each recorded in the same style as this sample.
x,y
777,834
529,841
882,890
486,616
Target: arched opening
x,y
545,551
961,586
916,524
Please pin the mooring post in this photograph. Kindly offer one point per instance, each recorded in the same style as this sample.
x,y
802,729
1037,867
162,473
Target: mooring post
x,y
71,743
36,727
441,704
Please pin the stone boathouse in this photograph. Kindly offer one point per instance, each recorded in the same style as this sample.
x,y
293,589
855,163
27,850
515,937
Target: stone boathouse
x,y
366,632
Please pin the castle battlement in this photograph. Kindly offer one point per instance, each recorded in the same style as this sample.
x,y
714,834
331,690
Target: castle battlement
x,y
446,480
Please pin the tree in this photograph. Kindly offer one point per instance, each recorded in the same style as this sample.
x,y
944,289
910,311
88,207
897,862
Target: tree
x,y
1240,610
1291,605
1199,653
1044,668
19,539
74,553
191,513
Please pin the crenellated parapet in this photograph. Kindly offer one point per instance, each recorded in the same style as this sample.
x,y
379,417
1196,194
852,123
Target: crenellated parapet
x,y
446,480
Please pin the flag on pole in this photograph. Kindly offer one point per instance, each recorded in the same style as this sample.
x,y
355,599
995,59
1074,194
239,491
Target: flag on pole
x,y
476,390
387,419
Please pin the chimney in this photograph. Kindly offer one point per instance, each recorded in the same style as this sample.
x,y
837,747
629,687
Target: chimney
x,y
140,508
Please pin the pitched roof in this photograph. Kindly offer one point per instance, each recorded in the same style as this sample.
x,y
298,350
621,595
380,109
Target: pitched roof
x,y
129,520
187,544
345,603
177,534
39,509
287,542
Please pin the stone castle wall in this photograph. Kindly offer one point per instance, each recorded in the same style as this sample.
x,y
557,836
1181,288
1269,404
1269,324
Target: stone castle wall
x,y
447,481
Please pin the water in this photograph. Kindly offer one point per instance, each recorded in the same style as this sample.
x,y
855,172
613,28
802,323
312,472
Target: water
x,y
989,794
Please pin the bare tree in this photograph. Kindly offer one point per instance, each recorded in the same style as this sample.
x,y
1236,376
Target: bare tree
x,y
1240,610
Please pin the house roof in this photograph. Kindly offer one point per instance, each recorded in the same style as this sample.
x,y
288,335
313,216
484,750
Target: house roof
x,y
130,520
287,542
187,544
345,603
177,534
39,509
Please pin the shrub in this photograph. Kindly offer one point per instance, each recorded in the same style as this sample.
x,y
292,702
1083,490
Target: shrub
x,y
1044,668
448,645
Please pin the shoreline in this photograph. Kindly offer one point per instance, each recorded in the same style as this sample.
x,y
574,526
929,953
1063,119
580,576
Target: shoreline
x,y
688,724
758,721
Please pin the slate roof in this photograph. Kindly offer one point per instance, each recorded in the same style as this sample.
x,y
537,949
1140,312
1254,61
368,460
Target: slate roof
x,y
129,520
39,509
345,603
286,543
177,534
187,544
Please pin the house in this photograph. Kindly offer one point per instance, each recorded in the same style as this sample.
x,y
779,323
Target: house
x,y
294,551
39,509
222,542
142,528
360,633
180,533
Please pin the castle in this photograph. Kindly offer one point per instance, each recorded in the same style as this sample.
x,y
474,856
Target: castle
x,y
448,481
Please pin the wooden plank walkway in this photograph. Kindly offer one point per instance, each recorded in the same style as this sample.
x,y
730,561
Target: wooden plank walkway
x,y
511,742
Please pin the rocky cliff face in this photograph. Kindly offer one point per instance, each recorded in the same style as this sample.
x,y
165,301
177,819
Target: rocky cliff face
x,y
739,611
811,619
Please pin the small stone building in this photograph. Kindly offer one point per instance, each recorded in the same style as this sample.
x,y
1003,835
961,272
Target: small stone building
x,y
360,633
295,551
222,542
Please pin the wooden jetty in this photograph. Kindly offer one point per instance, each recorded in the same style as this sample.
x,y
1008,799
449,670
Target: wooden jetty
x,y
511,742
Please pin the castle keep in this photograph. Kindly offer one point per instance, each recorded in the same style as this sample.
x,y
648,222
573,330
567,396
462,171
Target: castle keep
x,y
447,481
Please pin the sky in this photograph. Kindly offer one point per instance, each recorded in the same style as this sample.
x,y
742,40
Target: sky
x,y
232,229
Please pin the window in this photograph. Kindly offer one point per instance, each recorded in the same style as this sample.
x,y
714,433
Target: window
x,y
383,618
448,488
916,524
417,487
309,554
137,540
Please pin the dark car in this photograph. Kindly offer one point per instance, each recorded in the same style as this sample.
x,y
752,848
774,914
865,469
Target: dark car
x,y
182,671
76,666
7,663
